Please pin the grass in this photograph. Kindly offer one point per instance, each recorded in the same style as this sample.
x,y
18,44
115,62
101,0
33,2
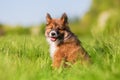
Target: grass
x,y
25,57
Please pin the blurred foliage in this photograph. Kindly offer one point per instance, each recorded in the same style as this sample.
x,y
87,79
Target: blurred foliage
x,y
42,28
2,32
17,30
102,11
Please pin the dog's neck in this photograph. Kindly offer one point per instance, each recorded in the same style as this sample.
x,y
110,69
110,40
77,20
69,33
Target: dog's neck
x,y
52,49
67,37
53,45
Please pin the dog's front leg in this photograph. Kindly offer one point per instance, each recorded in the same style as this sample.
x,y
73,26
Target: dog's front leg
x,y
57,60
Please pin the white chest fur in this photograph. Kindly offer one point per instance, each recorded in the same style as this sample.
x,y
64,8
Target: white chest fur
x,y
52,49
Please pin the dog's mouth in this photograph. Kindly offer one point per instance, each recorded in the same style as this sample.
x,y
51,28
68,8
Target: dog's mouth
x,y
53,39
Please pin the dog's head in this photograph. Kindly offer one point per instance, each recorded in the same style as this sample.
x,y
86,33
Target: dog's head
x,y
57,29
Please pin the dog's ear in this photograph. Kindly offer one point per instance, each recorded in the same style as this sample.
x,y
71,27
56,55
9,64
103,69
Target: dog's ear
x,y
48,18
64,18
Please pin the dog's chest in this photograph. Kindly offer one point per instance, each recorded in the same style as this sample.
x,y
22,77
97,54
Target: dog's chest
x,y
52,49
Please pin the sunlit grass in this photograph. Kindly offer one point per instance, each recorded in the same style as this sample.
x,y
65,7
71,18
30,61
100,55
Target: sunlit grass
x,y
25,57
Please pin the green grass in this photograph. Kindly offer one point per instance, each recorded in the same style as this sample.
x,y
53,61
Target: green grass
x,y
25,57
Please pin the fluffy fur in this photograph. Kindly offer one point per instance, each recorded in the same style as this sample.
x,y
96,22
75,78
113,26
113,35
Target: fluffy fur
x,y
64,45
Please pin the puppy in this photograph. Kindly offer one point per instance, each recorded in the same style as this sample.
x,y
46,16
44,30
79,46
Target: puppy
x,y
64,45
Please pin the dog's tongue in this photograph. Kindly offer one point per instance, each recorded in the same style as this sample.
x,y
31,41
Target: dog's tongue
x,y
53,38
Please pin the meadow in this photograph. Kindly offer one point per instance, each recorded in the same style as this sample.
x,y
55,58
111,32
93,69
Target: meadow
x,y
24,51
26,57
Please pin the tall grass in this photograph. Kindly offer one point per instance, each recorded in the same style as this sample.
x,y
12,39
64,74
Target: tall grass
x,y
26,57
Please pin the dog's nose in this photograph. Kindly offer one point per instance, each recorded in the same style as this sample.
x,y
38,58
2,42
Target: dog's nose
x,y
53,34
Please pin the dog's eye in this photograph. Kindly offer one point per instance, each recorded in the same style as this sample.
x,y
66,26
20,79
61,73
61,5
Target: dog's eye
x,y
61,28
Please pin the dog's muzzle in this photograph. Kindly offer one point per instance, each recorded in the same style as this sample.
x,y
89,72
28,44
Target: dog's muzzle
x,y
53,35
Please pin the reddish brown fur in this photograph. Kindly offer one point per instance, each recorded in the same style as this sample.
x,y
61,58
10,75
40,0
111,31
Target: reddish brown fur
x,y
70,49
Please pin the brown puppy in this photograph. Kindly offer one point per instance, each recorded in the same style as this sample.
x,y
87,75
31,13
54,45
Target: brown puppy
x,y
64,45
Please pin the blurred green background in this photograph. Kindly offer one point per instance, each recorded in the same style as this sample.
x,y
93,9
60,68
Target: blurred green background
x,y
24,52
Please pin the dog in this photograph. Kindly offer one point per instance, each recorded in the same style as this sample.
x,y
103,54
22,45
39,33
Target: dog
x,y
64,45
